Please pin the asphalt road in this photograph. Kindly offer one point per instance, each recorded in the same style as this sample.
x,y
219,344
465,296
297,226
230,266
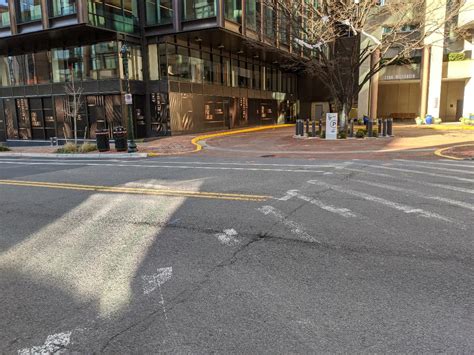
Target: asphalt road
x,y
200,255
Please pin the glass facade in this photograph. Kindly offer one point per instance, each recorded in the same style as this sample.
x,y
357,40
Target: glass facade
x,y
199,9
233,10
251,11
28,10
159,12
4,14
92,62
62,7
117,15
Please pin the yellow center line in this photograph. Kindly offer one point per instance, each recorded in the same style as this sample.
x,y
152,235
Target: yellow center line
x,y
137,191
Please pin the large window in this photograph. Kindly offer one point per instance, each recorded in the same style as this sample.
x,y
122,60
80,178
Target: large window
x,y
62,7
199,9
159,12
118,15
233,10
269,22
66,63
251,14
29,10
4,14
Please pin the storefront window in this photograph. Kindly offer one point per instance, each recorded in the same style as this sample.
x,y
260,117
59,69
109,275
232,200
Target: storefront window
x,y
62,7
4,14
153,62
233,10
67,62
199,9
135,66
196,65
29,10
159,12
101,60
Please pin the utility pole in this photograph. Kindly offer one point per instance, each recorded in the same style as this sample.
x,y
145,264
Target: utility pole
x,y
132,147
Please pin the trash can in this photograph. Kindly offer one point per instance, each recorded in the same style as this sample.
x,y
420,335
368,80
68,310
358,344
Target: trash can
x,y
102,139
120,138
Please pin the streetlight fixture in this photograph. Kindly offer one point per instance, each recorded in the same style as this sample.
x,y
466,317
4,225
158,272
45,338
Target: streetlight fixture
x,y
132,147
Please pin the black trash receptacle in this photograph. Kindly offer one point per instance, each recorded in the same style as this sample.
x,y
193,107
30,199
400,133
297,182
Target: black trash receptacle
x,y
102,139
120,138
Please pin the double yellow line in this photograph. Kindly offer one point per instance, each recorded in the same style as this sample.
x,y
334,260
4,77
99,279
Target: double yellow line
x,y
137,191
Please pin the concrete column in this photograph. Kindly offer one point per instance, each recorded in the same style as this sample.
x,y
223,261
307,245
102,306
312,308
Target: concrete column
x,y
374,85
425,78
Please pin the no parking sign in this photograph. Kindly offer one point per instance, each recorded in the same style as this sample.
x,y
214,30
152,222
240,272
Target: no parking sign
x,y
331,126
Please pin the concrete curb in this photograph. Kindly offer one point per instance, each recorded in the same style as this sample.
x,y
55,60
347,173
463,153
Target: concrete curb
x,y
197,140
81,156
440,152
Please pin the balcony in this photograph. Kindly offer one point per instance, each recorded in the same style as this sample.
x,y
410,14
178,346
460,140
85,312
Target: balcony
x,y
462,69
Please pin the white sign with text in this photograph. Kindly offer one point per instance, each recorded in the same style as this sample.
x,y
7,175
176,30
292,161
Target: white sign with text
x,y
331,126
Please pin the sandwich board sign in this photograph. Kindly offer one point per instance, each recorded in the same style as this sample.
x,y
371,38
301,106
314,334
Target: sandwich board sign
x,y
331,126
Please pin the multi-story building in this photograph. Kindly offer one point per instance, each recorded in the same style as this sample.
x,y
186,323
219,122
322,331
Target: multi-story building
x,y
439,81
194,65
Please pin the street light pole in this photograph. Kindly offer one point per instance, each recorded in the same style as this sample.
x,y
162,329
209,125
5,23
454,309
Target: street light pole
x,y
132,147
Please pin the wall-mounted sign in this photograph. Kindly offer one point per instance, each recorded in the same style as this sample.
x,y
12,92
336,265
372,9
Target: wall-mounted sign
x,y
331,126
128,99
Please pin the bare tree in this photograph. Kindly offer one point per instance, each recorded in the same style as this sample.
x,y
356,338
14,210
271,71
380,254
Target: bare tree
x,y
335,39
74,103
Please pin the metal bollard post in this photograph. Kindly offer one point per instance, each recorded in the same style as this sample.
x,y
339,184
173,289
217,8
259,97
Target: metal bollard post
x,y
384,128
351,133
313,128
379,127
320,125
297,127
370,125
307,127
301,128
390,127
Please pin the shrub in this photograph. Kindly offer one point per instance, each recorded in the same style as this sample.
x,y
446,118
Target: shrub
x,y
4,149
360,121
466,121
68,148
456,57
438,120
375,133
419,121
322,134
360,133
342,135
87,147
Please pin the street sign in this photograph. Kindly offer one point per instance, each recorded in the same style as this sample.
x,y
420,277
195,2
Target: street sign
x,y
331,126
128,99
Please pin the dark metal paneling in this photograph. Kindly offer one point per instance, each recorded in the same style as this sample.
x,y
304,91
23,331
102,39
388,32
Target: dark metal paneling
x,y
185,87
108,86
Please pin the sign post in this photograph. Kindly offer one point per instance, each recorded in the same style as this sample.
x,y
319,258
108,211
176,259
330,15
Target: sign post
x,y
331,126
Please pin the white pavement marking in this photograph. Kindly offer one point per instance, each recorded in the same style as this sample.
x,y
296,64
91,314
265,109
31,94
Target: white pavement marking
x,y
53,344
434,168
228,237
261,164
458,164
164,166
295,228
344,212
152,282
419,172
397,178
418,194
395,205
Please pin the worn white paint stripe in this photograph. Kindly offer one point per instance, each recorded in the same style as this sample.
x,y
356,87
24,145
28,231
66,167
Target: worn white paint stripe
x,y
458,164
152,282
394,205
295,228
419,172
462,204
228,237
166,166
397,178
260,164
53,344
435,168
344,212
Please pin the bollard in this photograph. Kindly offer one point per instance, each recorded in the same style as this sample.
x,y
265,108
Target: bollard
x,y
301,128
307,127
390,127
351,128
379,127
320,125
384,128
370,124
313,128
297,127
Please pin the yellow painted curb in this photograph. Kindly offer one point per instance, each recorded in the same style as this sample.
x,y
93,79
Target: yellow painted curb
x,y
447,128
440,153
195,141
